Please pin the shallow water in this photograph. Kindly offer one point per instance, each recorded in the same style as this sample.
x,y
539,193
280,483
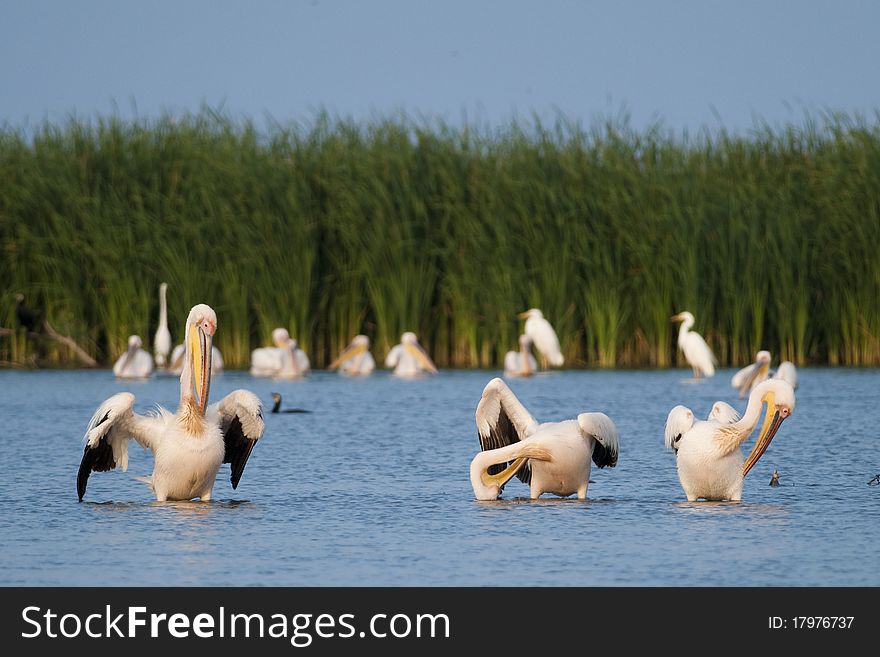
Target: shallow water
x,y
372,488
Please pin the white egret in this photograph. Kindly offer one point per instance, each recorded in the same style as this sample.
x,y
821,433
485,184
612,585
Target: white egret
x,y
162,339
696,352
543,336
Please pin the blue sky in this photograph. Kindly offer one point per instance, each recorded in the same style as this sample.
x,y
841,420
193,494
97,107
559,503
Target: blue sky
x,y
688,63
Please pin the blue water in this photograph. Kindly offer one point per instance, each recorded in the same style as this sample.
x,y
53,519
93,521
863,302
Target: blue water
x,y
372,488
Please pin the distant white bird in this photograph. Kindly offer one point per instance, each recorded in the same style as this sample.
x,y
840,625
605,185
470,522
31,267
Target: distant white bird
x,y
268,361
543,336
355,359
787,372
176,362
135,363
696,352
162,339
552,457
710,464
409,358
751,375
188,446
521,363
295,363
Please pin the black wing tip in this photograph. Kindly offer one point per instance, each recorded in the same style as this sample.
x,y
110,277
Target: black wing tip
x,y
604,457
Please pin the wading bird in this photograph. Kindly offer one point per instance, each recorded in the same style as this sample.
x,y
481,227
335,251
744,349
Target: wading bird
x,y
355,359
751,375
710,464
268,361
543,337
276,397
135,363
295,363
696,352
188,446
408,358
552,457
521,363
162,339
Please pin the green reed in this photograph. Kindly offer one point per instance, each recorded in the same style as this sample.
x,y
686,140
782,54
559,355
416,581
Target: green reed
x,y
333,227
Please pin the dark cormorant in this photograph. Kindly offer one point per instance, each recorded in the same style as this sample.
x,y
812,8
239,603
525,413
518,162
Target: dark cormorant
x,y
276,397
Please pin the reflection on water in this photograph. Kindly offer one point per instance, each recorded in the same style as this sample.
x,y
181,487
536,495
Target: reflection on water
x,y
372,488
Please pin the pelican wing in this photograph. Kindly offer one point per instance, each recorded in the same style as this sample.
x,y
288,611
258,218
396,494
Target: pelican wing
x,y
107,436
240,417
606,438
502,420
743,375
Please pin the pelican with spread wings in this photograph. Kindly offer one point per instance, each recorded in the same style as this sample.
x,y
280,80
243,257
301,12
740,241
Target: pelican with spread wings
x,y
188,446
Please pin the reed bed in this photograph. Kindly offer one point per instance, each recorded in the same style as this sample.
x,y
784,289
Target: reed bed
x,y
332,228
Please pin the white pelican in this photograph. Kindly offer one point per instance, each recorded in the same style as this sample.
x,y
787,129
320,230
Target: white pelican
x,y
723,413
696,352
408,358
175,364
295,363
189,446
268,361
552,457
787,372
751,375
710,464
543,336
521,363
162,339
355,359
135,363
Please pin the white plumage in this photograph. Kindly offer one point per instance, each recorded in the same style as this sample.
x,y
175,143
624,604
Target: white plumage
x,y
787,372
355,359
552,457
543,336
408,358
696,352
162,339
709,462
520,363
135,363
188,446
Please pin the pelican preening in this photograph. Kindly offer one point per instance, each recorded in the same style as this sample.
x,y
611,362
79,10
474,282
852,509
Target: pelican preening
x,y
543,336
162,339
552,457
283,361
188,446
520,363
268,361
710,464
355,359
696,352
409,358
135,363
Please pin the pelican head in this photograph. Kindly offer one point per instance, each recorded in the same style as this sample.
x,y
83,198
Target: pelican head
x,y
134,342
763,357
778,395
531,312
358,345
280,336
196,376
411,345
678,422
